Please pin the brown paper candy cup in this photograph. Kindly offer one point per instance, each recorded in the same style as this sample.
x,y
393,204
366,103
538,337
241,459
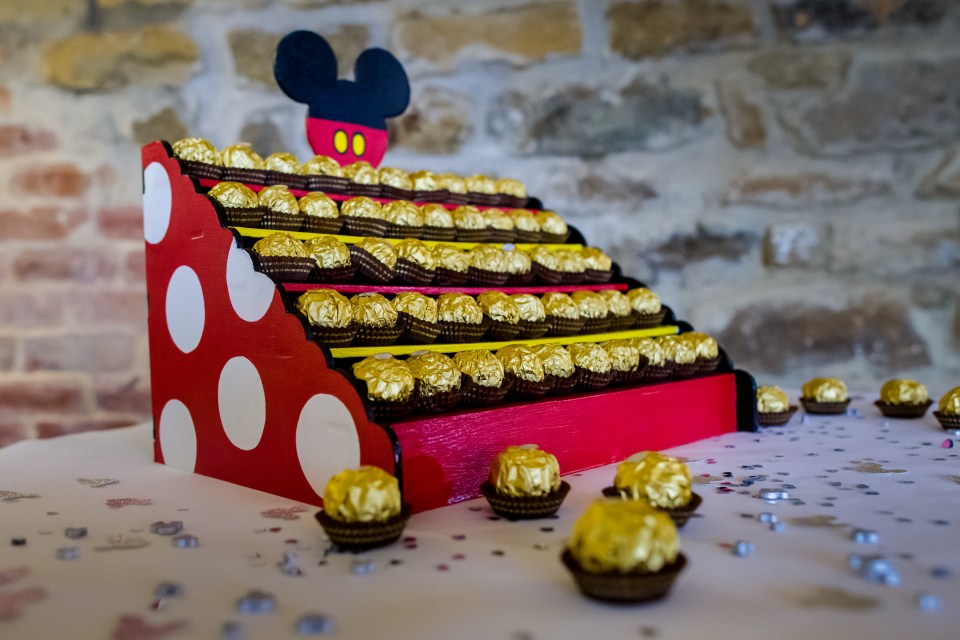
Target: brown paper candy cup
x,y
291,180
456,198
389,411
502,235
472,235
246,176
543,275
483,199
593,380
708,365
903,411
525,508
527,389
369,190
282,221
402,231
335,336
245,217
449,278
411,272
439,234
461,331
316,224
360,536
286,268
653,374
511,202
560,386
624,588
520,279
499,331
365,227
437,195
572,277
949,421
775,418
684,370
646,320
624,378
558,326
527,237
327,184
484,278
476,395
597,276
438,402
417,330
596,325
824,408
368,336
333,276
532,330
369,266
396,193
621,323
201,169
554,238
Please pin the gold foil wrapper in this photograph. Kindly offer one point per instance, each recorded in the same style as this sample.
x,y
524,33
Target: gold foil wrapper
x,y
590,304
278,198
651,349
367,494
950,402
280,244
556,360
326,308
569,261
436,372
677,349
387,378
825,390
459,307
241,156
590,356
617,303
319,205
521,361
705,346
403,213
530,307
511,187
417,252
498,220
551,222
329,252
644,301
437,215
197,150
451,182
524,220
362,207
596,259
488,257
624,536
467,217
544,257
361,172
424,181
322,166
903,392
560,305
518,262
479,183
661,480
234,195
417,305
499,307
772,399
379,249
484,367
283,162
450,257
527,471
373,310
624,356
394,177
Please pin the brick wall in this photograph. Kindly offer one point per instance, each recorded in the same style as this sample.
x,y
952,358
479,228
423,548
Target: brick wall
x,y
786,173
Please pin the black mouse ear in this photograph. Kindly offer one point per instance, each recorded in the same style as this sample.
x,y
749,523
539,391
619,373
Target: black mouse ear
x,y
382,77
305,66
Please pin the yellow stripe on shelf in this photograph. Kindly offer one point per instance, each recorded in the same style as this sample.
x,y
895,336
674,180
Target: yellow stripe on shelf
x,y
407,349
250,232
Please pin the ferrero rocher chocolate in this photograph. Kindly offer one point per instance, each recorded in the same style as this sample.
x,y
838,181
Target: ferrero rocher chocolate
x,y
416,305
530,307
677,349
590,356
624,356
560,305
326,308
329,252
488,257
451,182
524,220
394,177
624,536
617,303
197,150
450,257
950,402
319,205
234,195
551,223
661,480
322,166
361,207
480,183
283,162
521,361
459,307
517,262
825,390
525,471
544,257
705,346
387,378
382,250
436,215
436,372
651,349
361,172
482,366
511,187
499,307
569,261
373,310
596,259
590,304
556,360
903,392
280,244
417,252
403,213
772,399
278,198
241,156
644,301
467,217
367,494
498,220
424,181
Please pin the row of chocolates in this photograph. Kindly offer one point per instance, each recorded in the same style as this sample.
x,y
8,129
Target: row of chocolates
x,y
429,381
277,208
240,163
326,259
370,319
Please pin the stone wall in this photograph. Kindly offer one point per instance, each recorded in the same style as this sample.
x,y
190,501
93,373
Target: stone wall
x,y
786,173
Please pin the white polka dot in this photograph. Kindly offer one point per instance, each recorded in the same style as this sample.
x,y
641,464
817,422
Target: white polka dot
x,y
243,405
157,202
250,291
327,440
178,437
184,309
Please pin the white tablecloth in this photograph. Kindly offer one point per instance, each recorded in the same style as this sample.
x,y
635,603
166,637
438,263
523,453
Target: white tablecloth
x,y
461,574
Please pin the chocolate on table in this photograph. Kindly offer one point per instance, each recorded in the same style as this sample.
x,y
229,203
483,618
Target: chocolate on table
x,y
488,266
484,382
593,365
282,211
395,183
533,316
362,509
524,483
242,164
404,219
563,314
283,257
599,266
903,399
525,370
417,316
773,406
334,263
438,380
331,315
390,385
558,368
437,223
621,316
948,411
377,320
553,229
363,216
647,309
199,158
661,480
320,213
452,265
241,206
525,224
284,168
415,262
375,258
460,317
364,179
593,310
519,266
825,395
503,314
323,173
470,223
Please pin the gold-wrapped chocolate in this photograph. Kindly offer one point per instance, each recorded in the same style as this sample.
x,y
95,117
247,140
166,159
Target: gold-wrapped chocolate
x,y
705,346
280,244
551,223
319,205
524,220
544,257
661,480
451,182
394,177
590,356
361,172
379,249
498,220
521,361
525,471
678,349
617,303
556,360
771,399
651,349
569,261
278,198
624,356
373,310
197,150
644,301
518,262
467,217
590,304
950,402
361,207
511,187
367,494
903,392
283,162
417,252
322,166
424,181
326,308
488,257
624,536
403,213
417,305
436,372
450,257
530,307
825,390
436,215
241,156
234,195
329,252
499,307
560,305
459,307
482,366
479,183
595,259
387,378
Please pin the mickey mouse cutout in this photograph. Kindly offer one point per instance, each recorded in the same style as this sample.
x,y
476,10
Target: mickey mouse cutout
x,y
346,120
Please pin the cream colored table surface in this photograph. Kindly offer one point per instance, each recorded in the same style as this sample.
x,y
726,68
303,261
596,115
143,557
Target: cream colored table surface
x,y
465,575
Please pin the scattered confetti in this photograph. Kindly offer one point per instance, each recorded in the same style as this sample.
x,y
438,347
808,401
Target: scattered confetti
x,y
285,513
13,496
68,553
75,533
256,602
875,569
929,601
12,603
97,482
768,518
872,467
947,444
120,541
773,494
362,567
837,599
940,572
13,574
18,542
185,541
865,536
116,503
743,549
166,528
289,565
132,627
231,630
315,624
168,590
778,527
816,521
